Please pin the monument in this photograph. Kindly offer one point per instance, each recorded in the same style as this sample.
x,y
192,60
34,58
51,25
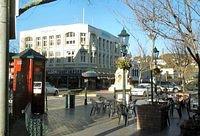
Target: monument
x,y
117,87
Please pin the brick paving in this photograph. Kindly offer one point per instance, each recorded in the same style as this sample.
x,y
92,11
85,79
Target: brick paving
x,y
78,122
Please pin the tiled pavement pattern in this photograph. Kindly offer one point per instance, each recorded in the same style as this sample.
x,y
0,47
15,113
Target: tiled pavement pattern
x,y
77,122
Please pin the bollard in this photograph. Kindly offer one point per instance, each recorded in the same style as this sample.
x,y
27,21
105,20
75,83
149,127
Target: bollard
x,y
70,100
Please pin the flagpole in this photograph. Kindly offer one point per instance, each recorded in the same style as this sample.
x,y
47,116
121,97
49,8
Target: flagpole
x,y
83,19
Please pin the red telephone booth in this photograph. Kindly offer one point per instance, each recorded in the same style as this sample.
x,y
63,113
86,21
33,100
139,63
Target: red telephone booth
x,y
28,82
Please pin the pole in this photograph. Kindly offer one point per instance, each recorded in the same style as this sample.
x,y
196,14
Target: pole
x,y
86,87
4,67
155,76
124,87
198,87
151,86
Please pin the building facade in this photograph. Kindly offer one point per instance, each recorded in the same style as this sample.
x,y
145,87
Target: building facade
x,y
134,73
72,50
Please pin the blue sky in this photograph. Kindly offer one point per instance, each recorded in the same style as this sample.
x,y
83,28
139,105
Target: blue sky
x,y
109,15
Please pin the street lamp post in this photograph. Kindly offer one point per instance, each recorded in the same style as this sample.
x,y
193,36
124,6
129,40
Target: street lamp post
x,y
155,57
124,38
88,76
155,53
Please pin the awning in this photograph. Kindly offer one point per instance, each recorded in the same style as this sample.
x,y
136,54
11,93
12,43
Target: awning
x,y
88,74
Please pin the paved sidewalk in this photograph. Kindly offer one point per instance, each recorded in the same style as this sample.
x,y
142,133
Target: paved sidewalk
x,y
78,122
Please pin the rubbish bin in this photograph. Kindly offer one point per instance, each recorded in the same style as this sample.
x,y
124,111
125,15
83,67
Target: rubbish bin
x,y
70,100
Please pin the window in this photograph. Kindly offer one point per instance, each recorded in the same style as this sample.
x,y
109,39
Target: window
x,y
44,40
103,59
51,54
135,72
68,52
83,34
100,43
51,60
111,46
107,60
28,39
44,53
69,38
83,57
99,59
82,38
69,59
91,57
38,41
58,39
51,40
70,42
28,42
107,45
111,60
57,54
28,45
70,34
115,47
103,44
58,60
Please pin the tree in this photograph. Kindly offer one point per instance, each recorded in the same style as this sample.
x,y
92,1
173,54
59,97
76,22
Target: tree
x,y
143,64
33,3
181,60
172,20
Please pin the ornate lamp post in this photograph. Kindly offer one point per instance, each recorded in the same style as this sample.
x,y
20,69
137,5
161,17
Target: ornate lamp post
x,y
155,53
88,75
124,38
154,70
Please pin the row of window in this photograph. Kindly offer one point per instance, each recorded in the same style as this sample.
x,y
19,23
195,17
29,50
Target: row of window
x,y
58,54
58,60
82,59
55,39
135,73
103,44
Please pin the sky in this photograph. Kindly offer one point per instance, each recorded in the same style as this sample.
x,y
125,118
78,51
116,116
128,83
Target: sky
x,y
109,15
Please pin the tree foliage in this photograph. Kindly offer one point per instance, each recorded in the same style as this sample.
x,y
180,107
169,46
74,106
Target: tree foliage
x,y
173,20
123,63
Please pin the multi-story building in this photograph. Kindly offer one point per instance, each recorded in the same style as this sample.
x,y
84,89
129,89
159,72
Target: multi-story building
x,y
73,49
134,72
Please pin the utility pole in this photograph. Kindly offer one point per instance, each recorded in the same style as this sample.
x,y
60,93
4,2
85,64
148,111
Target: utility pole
x,y
4,48
6,18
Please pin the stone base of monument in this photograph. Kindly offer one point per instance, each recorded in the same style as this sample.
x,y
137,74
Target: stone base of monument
x,y
119,97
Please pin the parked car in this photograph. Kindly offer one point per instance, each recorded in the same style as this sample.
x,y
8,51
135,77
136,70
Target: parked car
x,y
169,87
50,89
194,100
141,89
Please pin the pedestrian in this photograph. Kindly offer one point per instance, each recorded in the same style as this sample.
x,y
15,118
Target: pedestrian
x,y
171,106
178,106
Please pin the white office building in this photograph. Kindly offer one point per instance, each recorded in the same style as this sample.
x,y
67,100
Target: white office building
x,y
73,49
